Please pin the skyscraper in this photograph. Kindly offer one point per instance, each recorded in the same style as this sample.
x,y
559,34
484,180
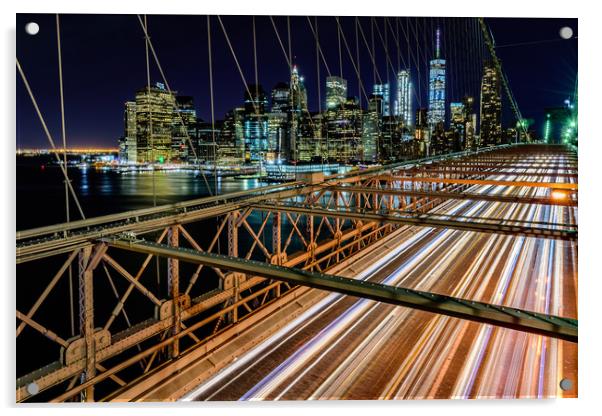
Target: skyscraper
x,y
232,134
421,133
458,125
436,111
298,97
297,107
383,91
155,109
255,123
470,122
336,92
403,104
280,97
371,129
491,106
277,121
184,123
129,121
344,131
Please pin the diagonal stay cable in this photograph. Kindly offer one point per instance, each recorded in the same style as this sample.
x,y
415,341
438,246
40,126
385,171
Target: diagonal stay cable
x,y
242,75
50,140
210,62
152,48
286,57
351,57
64,136
288,62
313,31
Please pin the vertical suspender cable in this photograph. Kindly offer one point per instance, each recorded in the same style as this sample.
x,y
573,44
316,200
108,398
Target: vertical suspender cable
x,y
64,136
62,98
357,59
319,90
398,46
256,98
386,48
150,114
290,45
150,132
169,90
50,140
210,60
255,65
373,53
340,54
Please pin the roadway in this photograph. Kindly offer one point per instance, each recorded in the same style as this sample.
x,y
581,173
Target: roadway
x,y
345,348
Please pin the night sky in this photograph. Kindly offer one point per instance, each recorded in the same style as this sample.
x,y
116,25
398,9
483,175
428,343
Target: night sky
x,y
104,64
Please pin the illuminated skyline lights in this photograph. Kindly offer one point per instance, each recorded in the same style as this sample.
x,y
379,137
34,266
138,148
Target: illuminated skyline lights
x,y
336,92
491,106
255,128
436,109
155,111
403,104
383,91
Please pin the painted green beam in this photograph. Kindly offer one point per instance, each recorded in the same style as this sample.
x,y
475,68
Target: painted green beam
x,y
517,319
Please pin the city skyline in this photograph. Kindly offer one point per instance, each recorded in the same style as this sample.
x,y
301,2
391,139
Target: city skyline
x,y
226,98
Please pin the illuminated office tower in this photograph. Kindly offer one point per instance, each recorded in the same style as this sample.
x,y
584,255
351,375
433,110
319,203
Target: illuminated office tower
x,y
383,91
344,132
255,123
232,134
297,107
129,121
298,97
403,104
371,129
457,114
336,92
422,133
436,111
277,121
155,109
184,127
491,106
458,126
277,133
280,97
470,123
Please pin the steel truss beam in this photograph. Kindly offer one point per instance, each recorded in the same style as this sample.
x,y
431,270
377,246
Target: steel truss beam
x,y
456,195
469,171
554,185
56,372
48,241
55,239
518,319
499,165
508,227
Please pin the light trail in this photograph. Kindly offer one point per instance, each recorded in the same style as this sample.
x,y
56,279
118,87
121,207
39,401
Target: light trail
x,y
344,348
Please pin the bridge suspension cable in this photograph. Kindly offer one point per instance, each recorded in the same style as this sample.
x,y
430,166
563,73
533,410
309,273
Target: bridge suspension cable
x,y
50,139
169,90
491,47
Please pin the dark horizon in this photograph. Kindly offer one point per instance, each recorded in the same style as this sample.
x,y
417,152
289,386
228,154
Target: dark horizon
x,y
103,68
